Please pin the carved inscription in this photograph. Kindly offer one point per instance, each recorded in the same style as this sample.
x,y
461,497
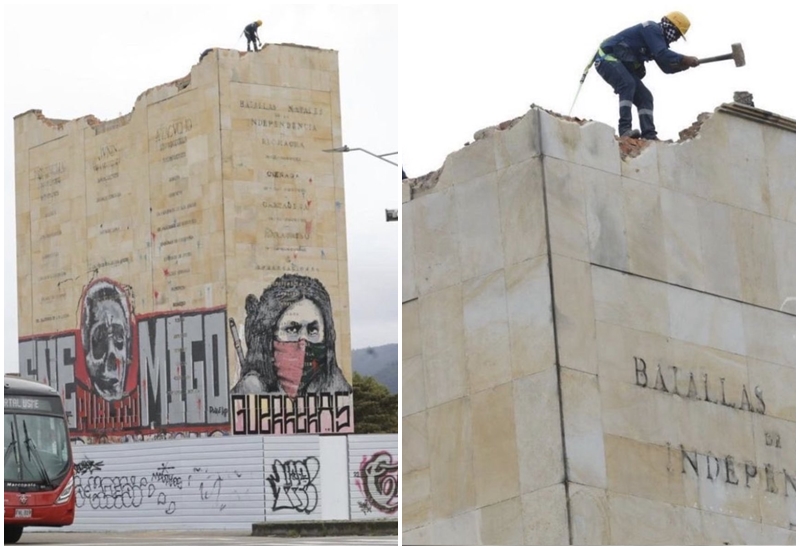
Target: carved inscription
x,y
685,384
106,166
728,470
171,139
48,178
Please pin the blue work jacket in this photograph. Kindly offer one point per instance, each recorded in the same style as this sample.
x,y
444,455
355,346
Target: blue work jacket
x,y
643,42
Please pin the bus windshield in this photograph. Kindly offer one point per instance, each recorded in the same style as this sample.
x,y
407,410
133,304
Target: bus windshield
x,y
36,449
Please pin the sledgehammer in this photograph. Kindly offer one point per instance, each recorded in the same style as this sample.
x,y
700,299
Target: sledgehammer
x,y
737,54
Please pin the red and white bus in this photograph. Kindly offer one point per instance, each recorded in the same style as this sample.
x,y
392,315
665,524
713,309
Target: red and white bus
x,y
39,470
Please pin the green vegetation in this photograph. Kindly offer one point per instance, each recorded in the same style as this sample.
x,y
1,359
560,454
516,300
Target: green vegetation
x,y
375,406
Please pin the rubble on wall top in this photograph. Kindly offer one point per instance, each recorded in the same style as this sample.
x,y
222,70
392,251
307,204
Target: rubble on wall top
x,y
742,106
58,124
423,183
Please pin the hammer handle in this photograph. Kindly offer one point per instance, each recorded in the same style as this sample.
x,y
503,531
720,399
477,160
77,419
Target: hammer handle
x,y
716,58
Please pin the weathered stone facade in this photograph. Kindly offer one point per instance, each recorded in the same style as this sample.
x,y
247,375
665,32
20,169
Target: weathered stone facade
x,y
598,347
215,187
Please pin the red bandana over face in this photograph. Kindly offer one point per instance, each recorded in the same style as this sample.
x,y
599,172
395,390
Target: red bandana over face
x,y
289,361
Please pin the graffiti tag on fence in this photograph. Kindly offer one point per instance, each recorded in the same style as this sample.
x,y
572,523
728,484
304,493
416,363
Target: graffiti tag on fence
x,y
292,484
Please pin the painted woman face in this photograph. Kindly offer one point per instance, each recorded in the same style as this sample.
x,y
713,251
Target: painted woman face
x,y
301,321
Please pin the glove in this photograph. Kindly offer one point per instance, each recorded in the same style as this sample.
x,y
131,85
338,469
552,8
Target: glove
x,y
689,61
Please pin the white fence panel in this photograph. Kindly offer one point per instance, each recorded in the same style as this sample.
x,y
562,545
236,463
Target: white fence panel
x,y
179,484
293,474
233,482
373,472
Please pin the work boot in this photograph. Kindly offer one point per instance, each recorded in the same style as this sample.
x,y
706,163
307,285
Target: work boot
x,y
635,134
647,125
625,118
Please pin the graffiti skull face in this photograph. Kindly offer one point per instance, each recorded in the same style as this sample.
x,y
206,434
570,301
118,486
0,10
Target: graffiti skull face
x,y
107,357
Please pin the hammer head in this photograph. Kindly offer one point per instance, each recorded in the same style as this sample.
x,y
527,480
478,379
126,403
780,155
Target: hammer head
x,y
738,54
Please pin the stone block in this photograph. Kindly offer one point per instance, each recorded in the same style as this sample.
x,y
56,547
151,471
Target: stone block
x,y
645,470
450,446
616,358
605,215
415,442
689,167
486,331
583,428
630,301
412,334
756,254
743,179
494,452
720,258
410,288
706,320
683,250
521,198
518,143
461,530
544,517
590,515
643,167
417,498
444,362
414,394
565,201
721,529
434,222
473,161
530,317
778,385
769,335
644,230
538,425
589,144
501,523
642,521
574,307
780,148
479,234
416,537
784,241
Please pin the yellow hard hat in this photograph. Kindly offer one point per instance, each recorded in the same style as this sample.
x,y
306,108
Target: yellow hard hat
x,y
687,22
680,21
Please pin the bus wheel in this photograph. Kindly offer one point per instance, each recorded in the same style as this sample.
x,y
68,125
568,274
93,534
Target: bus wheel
x,y
12,533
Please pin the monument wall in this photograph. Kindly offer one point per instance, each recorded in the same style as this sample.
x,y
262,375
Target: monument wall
x,y
182,270
599,337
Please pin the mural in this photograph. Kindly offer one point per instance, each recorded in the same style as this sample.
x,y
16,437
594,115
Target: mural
x,y
106,334
290,381
126,377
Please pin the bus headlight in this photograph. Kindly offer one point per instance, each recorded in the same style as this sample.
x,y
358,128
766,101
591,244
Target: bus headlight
x,y
67,492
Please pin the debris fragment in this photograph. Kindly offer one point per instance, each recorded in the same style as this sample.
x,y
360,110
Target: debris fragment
x,y
692,131
744,98
425,182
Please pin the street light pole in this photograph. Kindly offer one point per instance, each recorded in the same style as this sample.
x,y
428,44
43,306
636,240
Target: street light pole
x,y
391,215
346,149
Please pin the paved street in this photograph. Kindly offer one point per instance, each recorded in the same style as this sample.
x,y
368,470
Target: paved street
x,y
192,538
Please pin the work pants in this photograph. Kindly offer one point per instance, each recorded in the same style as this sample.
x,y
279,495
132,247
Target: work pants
x,y
631,91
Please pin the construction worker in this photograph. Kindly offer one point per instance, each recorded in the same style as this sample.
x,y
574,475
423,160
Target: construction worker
x,y
251,33
620,61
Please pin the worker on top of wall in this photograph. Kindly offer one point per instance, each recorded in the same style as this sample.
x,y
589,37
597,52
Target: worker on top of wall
x,y
620,61
251,33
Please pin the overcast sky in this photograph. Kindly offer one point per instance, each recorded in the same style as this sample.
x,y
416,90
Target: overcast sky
x,y
74,61
466,68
